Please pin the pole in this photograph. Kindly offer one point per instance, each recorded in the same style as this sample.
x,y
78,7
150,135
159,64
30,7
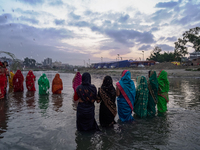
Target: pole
x,y
143,55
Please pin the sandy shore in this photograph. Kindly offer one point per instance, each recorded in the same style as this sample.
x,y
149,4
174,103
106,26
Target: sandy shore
x,y
143,72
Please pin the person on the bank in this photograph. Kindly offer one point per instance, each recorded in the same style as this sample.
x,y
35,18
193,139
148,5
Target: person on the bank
x,y
18,81
57,85
153,94
163,90
141,99
30,81
125,92
44,85
86,93
107,97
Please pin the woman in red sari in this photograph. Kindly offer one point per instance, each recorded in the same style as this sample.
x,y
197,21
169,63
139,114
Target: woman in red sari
x,y
18,80
57,85
3,81
30,81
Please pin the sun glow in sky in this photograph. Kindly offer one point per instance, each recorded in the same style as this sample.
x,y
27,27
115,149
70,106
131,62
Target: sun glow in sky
x,y
74,31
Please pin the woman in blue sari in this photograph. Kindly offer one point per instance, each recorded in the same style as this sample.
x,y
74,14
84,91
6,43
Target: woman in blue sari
x,y
125,91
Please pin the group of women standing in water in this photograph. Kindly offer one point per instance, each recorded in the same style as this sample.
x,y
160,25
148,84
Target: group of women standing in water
x,y
141,100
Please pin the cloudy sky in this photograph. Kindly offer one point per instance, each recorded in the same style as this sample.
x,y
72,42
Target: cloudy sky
x,y
74,31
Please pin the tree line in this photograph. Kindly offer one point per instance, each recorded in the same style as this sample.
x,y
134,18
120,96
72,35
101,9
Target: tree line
x,y
181,47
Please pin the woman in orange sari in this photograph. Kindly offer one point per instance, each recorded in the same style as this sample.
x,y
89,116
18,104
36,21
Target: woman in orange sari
x,y
57,85
3,81
18,80
30,81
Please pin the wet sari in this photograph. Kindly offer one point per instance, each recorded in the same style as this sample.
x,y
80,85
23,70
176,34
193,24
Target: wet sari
x,y
30,81
57,85
141,99
10,79
153,96
125,101
77,80
163,90
87,94
107,95
3,81
18,80
44,85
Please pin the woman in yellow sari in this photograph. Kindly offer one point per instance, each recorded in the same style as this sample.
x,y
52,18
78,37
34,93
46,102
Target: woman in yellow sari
x,y
11,80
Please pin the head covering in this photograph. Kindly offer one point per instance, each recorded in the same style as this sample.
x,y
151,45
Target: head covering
x,y
43,83
57,84
18,80
153,85
30,81
141,99
86,91
1,64
11,79
127,88
108,94
77,80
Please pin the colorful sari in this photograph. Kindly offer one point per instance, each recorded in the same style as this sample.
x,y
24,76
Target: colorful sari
x,y
3,81
77,80
11,80
107,95
57,85
18,80
141,99
30,81
153,94
43,83
163,90
87,93
125,101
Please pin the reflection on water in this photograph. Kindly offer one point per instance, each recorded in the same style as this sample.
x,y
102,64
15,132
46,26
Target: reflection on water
x,y
31,121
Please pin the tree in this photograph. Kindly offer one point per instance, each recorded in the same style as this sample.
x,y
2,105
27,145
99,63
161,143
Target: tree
x,y
191,36
155,54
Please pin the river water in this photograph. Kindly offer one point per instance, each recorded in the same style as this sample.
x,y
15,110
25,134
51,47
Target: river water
x,y
33,122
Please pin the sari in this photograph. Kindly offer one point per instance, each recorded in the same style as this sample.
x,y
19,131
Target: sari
x,y
18,80
163,90
141,99
3,81
107,95
153,94
87,94
125,101
43,83
10,79
76,81
30,81
57,85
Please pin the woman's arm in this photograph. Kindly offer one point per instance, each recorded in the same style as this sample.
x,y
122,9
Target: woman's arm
x,y
76,97
117,91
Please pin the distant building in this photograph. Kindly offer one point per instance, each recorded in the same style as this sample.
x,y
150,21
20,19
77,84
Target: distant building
x,y
57,64
47,62
194,55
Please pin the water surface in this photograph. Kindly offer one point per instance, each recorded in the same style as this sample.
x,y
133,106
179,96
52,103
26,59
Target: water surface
x,y
29,121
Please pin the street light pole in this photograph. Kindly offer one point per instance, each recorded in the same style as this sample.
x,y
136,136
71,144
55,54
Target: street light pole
x,y
143,55
101,59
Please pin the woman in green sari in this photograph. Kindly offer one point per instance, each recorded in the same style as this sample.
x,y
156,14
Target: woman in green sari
x,y
153,92
141,99
163,91
43,83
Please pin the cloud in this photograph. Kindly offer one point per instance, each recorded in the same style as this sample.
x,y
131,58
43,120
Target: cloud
x,y
161,15
56,2
165,47
31,20
32,2
124,18
154,29
109,48
171,39
145,47
5,17
166,4
74,16
79,24
59,22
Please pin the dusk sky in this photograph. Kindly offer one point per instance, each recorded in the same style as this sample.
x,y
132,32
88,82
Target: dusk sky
x,y
72,31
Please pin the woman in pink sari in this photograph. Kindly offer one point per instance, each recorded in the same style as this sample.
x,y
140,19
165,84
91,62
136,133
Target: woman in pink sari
x,y
3,81
18,80
76,82
30,81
